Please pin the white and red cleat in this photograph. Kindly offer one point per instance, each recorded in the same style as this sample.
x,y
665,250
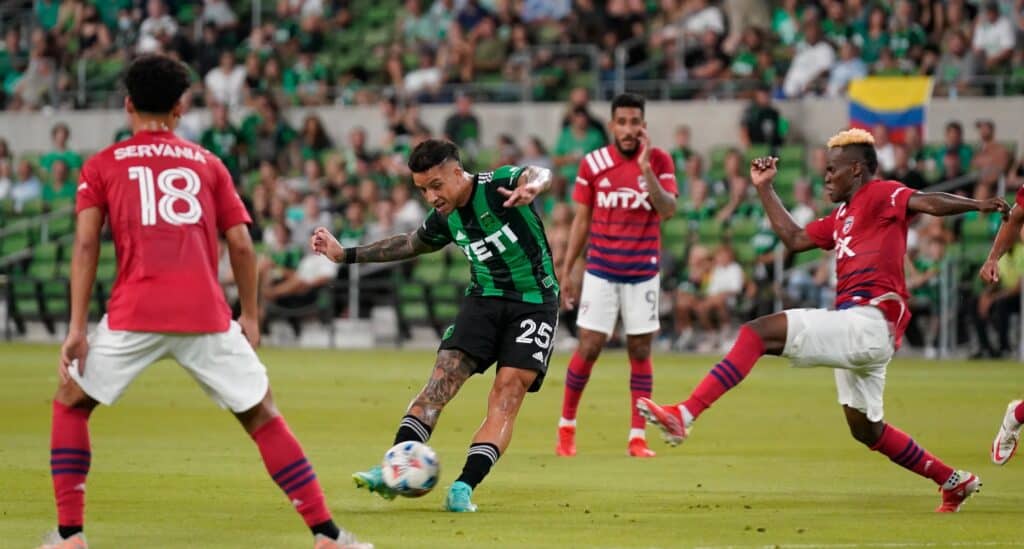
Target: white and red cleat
x,y
638,448
965,484
54,541
667,418
1005,444
566,441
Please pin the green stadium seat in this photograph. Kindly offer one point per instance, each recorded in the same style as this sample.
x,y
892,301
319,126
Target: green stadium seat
x,y
60,226
23,301
56,298
444,301
43,265
792,156
743,230
430,268
709,232
810,256
674,231
412,306
16,243
756,151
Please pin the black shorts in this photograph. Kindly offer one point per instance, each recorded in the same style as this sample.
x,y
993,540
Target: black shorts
x,y
511,333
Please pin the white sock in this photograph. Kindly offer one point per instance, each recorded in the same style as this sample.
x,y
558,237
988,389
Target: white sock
x,y
687,416
637,433
562,422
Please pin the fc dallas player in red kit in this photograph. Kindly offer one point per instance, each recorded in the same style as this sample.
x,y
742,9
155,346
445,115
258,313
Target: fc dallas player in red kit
x,y
622,194
868,231
167,200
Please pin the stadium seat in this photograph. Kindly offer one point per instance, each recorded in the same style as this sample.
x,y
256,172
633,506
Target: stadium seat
x,y
743,230
412,306
709,232
673,232
44,260
23,301
792,156
430,268
444,304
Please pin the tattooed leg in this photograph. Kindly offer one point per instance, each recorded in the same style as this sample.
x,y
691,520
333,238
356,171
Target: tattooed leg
x,y
452,369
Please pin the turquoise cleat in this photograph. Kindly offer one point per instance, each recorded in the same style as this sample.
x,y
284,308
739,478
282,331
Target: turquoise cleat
x,y
373,480
458,500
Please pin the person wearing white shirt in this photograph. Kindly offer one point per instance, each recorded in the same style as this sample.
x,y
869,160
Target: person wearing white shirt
x,y
884,149
408,213
157,29
724,284
704,17
994,37
849,68
225,84
5,178
27,186
814,57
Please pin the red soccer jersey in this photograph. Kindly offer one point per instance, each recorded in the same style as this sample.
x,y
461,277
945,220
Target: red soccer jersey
x,y
869,236
625,232
167,200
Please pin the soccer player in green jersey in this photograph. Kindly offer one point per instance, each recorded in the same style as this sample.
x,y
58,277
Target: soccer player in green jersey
x,y
510,312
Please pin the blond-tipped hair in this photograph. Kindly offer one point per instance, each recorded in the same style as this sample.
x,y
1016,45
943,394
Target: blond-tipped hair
x,y
855,136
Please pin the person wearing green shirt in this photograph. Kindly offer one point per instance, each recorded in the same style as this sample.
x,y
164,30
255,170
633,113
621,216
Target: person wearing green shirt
x,y
874,37
60,135
577,139
835,26
510,312
47,12
59,188
786,22
681,152
222,138
305,83
954,144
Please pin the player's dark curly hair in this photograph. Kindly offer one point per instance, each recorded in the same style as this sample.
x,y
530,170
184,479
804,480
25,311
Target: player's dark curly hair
x,y
155,83
627,100
430,153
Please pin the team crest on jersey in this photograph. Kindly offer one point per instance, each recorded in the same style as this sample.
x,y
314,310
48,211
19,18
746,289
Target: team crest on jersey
x,y
641,182
847,225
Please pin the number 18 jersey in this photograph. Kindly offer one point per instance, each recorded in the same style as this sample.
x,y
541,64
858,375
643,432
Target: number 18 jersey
x,y
167,201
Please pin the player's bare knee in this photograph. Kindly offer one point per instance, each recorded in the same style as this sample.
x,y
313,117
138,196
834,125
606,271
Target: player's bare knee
x,y
638,348
507,395
71,395
257,416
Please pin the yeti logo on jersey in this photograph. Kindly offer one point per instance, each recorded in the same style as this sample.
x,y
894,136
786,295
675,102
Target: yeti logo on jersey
x,y
629,199
847,225
481,250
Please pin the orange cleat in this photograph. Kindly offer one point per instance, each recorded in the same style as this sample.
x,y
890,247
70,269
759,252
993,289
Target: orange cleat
x,y
566,441
668,418
638,448
54,541
345,541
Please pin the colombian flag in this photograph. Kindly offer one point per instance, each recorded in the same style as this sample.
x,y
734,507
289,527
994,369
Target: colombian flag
x,y
898,102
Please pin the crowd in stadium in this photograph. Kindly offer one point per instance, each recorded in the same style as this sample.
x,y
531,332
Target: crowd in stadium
x,y
296,178
314,52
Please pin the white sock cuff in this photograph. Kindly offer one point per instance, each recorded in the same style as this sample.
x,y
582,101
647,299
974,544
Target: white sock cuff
x,y
562,422
637,433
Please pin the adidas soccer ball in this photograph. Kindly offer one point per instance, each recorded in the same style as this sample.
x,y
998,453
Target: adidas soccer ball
x,y
411,469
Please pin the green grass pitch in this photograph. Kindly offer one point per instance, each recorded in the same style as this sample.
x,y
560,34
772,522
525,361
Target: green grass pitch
x,y
770,466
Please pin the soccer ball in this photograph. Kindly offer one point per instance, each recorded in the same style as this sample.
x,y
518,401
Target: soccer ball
x,y
411,469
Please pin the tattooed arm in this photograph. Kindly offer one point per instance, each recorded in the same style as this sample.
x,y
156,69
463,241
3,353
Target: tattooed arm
x,y
451,370
532,181
394,248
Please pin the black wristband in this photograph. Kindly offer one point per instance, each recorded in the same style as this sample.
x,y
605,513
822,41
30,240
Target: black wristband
x,y
351,255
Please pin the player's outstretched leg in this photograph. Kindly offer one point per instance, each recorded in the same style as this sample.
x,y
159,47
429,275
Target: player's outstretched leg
x,y
288,465
1005,444
641,383
955,486
764,335
493,436
451,369
576,378
70,458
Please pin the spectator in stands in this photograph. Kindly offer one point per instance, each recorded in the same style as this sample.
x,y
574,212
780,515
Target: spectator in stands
x,y
60,134
307,217
871,39
702,16
409,213
836,27
536,154
743,15
209,51
760,124
223,139
957,66
219,14
849,68
157,30
488,50
94,40
416,26
997,302
314,140
903,171
954,144
737,185
994,38
40,78
708,61
923,284
27,187
576,140
698,206
992,160
682,151
509,153
580,97
46,13
5,150
805,209
690,294
725,284
60,187
383,224
424,83
906,37
884,148
6,178
955,20
305,82
950,168
226,83
915,149
295,9
786,22
300,287
744,62
814,57
463,127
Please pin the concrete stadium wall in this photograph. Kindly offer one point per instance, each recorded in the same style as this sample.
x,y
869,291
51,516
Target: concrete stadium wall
x,y
713,122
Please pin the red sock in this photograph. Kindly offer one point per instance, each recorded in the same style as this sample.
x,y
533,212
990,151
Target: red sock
x,y
290,469
575,381
70,457
728,373
903,451
1018,413
641,381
